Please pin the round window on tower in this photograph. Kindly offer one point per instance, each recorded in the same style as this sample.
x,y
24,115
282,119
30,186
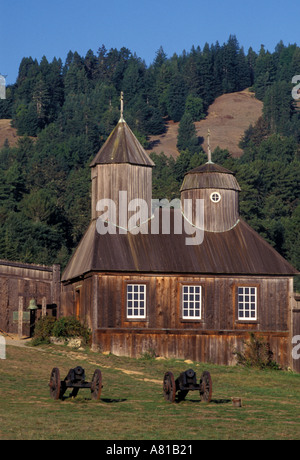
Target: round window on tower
x,y
215,197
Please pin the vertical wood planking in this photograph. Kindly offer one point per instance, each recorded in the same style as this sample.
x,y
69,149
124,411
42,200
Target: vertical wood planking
x,y
20,316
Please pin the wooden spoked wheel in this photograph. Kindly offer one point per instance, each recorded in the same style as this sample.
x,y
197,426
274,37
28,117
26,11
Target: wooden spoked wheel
x,y
169,387
205,387
55,384
96,385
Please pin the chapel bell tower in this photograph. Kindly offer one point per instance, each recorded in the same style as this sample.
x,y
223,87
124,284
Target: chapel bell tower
x,y
121,165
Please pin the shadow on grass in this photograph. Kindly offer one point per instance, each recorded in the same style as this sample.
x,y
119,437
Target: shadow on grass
x,y
220,401
213,401
108,400
85,399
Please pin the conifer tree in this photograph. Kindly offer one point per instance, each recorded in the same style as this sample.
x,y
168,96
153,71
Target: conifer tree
x,y
187,138
177,93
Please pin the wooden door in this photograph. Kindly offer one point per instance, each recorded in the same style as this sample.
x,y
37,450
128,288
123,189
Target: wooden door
x,y
77,304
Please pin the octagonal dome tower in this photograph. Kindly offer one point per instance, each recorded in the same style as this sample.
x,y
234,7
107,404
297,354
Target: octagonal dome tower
x,y
219,190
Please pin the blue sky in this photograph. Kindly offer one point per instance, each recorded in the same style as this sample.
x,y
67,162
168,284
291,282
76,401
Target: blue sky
x,y
52,28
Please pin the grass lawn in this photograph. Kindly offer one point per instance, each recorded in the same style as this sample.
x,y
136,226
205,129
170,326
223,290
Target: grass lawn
x,y
132,406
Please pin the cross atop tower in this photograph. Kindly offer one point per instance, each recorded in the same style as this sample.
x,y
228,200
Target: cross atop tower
x,y
122,106
208,147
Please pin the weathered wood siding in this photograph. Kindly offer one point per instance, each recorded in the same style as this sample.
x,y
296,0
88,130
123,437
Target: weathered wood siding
x,y
213,338
109,179
26,281
203,346
218,217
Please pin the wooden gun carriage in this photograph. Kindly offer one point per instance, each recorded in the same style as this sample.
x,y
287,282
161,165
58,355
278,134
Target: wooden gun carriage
x,y
75,380
187,381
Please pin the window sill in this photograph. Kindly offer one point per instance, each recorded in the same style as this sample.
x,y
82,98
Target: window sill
x,y
246,321
191,320
136,320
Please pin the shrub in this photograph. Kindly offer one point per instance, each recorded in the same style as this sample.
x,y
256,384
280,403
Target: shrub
x,y
64,327
69,326
257,353
149,354
43,330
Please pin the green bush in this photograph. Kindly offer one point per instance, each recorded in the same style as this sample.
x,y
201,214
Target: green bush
x,y
69,326
43,330
65,327
257,353
149,354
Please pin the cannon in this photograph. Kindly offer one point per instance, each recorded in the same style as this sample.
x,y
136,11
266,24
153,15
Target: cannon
x,y
187,381
75,380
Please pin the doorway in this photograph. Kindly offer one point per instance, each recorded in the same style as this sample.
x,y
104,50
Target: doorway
x,y
77,304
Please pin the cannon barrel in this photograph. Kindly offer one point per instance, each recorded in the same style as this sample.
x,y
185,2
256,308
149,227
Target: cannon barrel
x,y
190,373
79,370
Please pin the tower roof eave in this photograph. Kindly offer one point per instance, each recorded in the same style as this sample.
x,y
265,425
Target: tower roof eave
x,y
210,175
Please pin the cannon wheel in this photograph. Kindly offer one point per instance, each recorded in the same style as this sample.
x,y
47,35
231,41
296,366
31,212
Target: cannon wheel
x,y
55,383
96,385
169,387
205,387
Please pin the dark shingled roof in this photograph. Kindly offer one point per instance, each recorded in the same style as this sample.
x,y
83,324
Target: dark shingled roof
x,y
239,251
210,175
122,147
209,167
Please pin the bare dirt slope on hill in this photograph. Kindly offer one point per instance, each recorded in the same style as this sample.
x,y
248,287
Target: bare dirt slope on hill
x,y
228,118
8,132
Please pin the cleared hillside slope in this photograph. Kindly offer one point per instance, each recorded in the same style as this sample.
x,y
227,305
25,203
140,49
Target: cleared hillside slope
x,y
228,118
8,132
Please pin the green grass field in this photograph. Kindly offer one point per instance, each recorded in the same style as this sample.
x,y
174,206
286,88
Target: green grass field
x,y
132,406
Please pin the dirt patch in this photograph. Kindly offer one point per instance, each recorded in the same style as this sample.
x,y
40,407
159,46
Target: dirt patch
x,y
15,340
9,133
228,118
166,142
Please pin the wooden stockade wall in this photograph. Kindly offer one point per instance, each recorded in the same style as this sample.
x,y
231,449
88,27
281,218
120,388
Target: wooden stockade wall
x,y
100,300
19,283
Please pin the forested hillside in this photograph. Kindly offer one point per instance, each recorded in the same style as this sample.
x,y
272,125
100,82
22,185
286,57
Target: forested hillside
x,y
64,112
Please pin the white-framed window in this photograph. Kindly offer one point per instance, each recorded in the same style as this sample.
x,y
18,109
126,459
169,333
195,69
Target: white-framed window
x,y
215,197
191,302
136,301
247,303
